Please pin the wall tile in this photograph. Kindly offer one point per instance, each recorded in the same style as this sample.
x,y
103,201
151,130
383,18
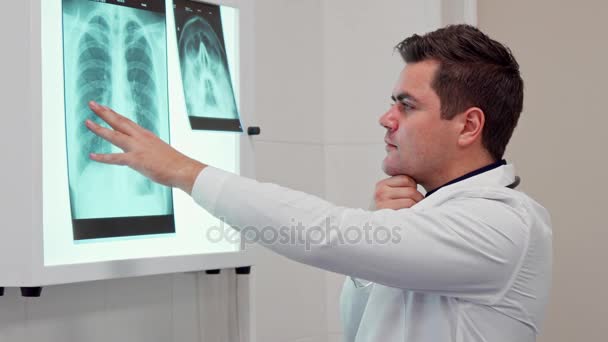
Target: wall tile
x,y
139,309
335,338
12,316
288,72
290,299
67,313
297,166
352,172
184,306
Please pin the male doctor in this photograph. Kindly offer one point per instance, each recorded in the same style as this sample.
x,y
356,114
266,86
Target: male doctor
x,y
469,261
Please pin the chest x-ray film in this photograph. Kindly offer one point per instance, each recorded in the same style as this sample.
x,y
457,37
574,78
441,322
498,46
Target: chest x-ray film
x,y
205,69
115,54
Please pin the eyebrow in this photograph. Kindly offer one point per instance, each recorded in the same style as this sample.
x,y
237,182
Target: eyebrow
x,y
404,96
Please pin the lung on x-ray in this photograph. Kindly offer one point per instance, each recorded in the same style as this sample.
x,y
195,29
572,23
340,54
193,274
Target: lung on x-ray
x,y
115,54
208,89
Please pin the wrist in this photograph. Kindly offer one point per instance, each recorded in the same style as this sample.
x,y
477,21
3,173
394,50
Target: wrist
x,y
187,173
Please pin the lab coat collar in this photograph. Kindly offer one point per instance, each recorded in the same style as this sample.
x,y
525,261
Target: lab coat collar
x,y
498,174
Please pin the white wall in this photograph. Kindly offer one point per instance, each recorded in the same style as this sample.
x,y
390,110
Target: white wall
x,y
560,146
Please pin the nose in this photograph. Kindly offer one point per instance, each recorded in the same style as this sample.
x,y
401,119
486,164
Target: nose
x,y
389,120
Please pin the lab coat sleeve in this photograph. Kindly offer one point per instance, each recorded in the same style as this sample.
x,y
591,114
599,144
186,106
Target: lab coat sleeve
x,y
468,247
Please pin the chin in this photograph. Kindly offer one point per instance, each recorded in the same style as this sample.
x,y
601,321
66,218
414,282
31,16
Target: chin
x,y
389,169
393,167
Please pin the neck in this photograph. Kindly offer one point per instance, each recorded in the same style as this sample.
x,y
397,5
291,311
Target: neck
x,y
455,169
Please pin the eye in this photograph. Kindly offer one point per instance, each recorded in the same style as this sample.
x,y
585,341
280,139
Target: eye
x,y
403,106
408,106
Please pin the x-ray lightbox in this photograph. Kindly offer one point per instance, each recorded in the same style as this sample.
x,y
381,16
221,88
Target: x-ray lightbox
x,y
179,68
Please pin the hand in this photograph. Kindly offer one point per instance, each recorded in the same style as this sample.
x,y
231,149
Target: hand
x,y
143,151
397,192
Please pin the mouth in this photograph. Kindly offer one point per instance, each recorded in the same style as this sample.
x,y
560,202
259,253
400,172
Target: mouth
x,y
389,145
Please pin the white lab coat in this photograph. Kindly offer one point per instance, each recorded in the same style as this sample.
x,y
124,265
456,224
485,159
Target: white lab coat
x,y
472,262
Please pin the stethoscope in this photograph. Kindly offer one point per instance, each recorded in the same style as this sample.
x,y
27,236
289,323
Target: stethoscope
x,y
360,283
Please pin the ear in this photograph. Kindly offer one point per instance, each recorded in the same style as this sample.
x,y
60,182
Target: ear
x,y
472,123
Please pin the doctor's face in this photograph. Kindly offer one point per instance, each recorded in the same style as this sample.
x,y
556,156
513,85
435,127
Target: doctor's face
x,y
418,141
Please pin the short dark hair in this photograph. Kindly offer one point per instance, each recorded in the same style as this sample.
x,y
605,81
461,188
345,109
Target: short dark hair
x,y
474,71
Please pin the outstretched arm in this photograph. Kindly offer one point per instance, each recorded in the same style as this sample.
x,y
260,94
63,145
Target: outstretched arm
x,y
468,247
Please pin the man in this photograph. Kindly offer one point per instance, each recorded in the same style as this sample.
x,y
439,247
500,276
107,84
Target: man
x,y
469,261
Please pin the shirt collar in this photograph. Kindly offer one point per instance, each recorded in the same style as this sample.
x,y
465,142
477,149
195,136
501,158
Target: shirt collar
x,y
498,173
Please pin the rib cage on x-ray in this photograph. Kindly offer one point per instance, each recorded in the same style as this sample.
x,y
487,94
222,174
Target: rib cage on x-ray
x,y
115,65
94,81
140,73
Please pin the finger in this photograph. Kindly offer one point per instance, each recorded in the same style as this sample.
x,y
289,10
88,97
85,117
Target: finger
x,y
111,158
400,181
115,120
408,192
384,193
397,204
116,138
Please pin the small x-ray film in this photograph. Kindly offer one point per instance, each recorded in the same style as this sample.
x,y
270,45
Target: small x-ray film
x,y
204,63
115,54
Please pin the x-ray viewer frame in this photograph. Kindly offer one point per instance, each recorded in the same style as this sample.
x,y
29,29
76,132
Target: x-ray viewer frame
x,y
22,254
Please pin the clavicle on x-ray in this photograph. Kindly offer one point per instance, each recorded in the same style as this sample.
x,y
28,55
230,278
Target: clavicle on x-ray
x,y
115,54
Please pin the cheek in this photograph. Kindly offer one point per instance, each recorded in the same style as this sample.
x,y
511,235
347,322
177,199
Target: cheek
x,y
440,143
412,138
420,142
